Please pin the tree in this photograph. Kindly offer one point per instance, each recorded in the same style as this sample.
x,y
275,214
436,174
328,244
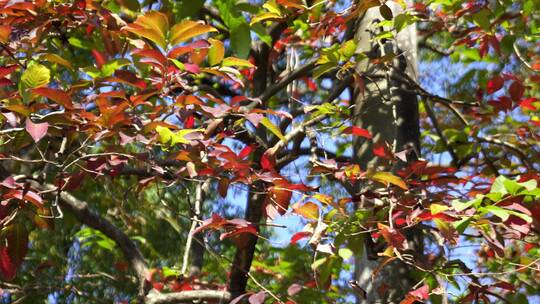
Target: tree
x,y
130,128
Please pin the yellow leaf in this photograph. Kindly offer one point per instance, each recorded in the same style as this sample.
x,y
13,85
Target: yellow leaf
x,y
265,17
308,210
188,29
437,208
216,51
56,59
389,178
273,128
152,25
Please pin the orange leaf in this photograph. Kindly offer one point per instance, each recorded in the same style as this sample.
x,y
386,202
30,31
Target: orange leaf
x,y
308,210
152,25
188,29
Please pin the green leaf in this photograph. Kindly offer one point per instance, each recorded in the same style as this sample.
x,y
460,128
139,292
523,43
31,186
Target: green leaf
x,y
216,52
241,39
273,128
36,75
499,212
236,62
462,224
110,67
345,253
482,19
348,49
240,36
323,69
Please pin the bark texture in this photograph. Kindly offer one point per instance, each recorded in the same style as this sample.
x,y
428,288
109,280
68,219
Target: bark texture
x,y
389,111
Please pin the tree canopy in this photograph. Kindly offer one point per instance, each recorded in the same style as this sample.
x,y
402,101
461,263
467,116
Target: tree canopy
x,y
154,151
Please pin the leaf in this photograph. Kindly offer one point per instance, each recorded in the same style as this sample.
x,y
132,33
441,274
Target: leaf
x,y
5,31
56,59
216,52
273,128
308,210
516,90
393,237
257,298
357,131
13,250
188,29
278,199
265,17
223,186
386,12
36,130
110,67
59,96
299,235
166,136
236,62
389,178
345,253
294,289
501,213
36,75
495,84
152,25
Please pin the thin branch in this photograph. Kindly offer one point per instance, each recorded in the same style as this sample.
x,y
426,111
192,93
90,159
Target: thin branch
x,y
200,193
302,127
435,123
290,77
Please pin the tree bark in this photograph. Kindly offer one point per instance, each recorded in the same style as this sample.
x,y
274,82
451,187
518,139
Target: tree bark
x,y
389,111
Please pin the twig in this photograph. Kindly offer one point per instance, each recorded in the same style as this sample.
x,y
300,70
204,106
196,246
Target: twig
x,y
200,193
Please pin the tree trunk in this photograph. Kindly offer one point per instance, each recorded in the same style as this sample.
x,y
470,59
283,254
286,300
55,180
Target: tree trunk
x,y
389,111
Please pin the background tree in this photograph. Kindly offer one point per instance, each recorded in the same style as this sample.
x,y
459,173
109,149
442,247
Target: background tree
x,y
153,151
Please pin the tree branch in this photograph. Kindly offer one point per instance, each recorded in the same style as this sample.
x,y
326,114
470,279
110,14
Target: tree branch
x,y
82,212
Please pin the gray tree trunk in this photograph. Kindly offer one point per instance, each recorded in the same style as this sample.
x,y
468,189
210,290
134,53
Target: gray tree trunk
x,y
389,111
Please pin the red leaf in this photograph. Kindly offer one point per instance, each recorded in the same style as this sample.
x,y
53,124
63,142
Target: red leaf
x,y
393,237
99,57
278,198
257,298
267,163
528,103
299,235
59,96
189,122
357,131
6,70
495,84
248,229
214,222
421,293
37,131
382,150
516,90
13,250
245,152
